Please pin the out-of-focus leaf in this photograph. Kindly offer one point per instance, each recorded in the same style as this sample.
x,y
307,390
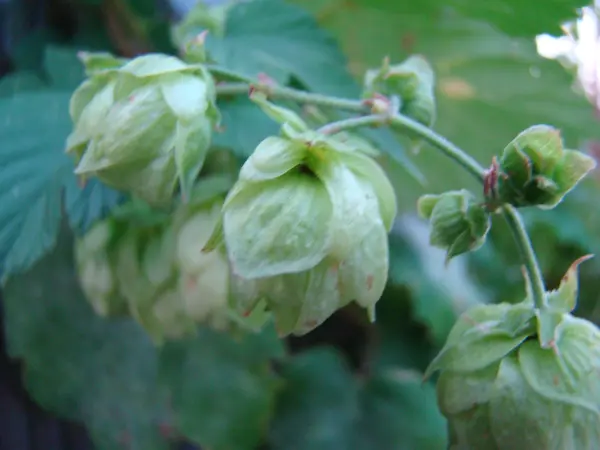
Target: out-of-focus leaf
x,y
79,365
401,413
33,168
244,126
85,205
63,68
284,42
323,407
222,389
401,340
439,293
33,172
514,17
60,69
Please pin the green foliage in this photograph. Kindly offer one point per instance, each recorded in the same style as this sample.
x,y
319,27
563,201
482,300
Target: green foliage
x,y
231,407
302,200
323,407
243,126
513,17
33,173
106,375
110,376
282,41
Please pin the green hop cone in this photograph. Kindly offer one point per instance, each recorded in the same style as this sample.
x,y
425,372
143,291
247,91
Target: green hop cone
x,y
412,82
536,170
459,223
204,277
94,259
144,125
501,389
172,286
305,226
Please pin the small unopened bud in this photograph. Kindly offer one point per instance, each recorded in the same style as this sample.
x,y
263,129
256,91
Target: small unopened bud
x,y
459,223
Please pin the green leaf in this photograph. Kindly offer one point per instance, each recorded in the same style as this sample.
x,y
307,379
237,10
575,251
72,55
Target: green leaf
x,y
85,205
244,126
323,407
284,42
514,17
60,69
403,341
400,413
317,408
79,365
32,171
222,389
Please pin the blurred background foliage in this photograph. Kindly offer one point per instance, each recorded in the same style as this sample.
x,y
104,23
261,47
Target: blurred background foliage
x,y
348,384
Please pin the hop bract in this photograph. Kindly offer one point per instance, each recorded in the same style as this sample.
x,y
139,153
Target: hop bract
x,y
95,261
306,226
501,388
458,223
143,125
536,170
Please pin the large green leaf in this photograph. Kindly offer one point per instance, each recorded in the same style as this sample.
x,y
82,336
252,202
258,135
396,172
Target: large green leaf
x,y
514,17
79,365
244,126
89,203
323,407
60,70
282,41
32,171
222,389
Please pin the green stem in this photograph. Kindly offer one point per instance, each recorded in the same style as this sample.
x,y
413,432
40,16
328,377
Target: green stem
x,y
531,265
425,133
441,143
295,95
355,122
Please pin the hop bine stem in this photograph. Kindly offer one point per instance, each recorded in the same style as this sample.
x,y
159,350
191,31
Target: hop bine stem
x,y
396,120
513,218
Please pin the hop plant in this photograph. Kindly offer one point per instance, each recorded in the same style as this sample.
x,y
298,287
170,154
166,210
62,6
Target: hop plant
x,y
143,125
305,226
503,386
